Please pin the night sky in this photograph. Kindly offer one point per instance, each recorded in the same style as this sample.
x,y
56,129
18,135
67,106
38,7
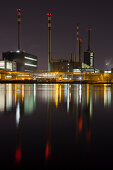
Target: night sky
x,y
65,15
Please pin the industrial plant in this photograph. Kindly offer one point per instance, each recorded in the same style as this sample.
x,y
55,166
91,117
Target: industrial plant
x,y
21,66
19,60
75,64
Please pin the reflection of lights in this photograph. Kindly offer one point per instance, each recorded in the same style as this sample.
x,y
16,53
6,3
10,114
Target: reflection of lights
x,y
107,95
48,151
80,125
87,94
29,104
68,98
91,103
91,106
88,135
60,94
80,92
17,113
29,91
18,155
9,96
22,92
34,92
56,95
2,96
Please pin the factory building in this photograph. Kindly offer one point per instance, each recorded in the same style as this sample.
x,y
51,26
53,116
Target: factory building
x,y
8,65
75,63
24,61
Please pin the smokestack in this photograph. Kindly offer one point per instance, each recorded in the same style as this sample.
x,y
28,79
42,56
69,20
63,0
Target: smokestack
x,y
77,44
19,19
89,29
77,31
80,50
49,37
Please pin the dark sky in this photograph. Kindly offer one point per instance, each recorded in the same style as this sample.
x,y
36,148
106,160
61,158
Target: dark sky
x,y
65,15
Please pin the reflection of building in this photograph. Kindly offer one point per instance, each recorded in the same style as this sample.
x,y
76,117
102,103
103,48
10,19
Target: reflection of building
x,y
11,93
24,61
18,153
29,98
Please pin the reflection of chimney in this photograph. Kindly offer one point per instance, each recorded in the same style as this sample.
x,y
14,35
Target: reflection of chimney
x,y
80,50
18,153
19,19
49,37
48,143
89,29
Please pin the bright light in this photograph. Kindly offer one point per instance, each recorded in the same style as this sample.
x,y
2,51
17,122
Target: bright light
x,y
17,113
80,78
31,65
17,51
107,71
29,58
8,76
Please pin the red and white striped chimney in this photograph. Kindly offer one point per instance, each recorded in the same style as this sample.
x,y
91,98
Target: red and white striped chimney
x,y
19,19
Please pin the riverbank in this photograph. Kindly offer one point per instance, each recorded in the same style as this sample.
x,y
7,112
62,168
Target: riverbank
x,y
52,82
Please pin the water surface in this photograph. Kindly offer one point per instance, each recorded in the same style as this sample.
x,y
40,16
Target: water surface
x,y
56,125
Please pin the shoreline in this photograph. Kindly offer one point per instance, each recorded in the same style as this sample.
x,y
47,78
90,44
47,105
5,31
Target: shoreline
x,y
50,82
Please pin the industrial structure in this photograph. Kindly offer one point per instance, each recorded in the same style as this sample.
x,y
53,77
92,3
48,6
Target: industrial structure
x,y
19,60
89,55
75,63
24,61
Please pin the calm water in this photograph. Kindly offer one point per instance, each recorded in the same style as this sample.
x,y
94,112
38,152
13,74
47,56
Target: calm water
x,y
56,125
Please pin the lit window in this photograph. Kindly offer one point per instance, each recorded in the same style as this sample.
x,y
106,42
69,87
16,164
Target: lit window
x,y
91,54
29,58
91,61
31,65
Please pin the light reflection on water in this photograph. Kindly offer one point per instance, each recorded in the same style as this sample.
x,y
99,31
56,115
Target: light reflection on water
x,y
64,109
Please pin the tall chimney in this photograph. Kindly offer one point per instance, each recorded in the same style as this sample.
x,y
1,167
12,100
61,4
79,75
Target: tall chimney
x,y
89,29
80,50
49,37
19,19
77,44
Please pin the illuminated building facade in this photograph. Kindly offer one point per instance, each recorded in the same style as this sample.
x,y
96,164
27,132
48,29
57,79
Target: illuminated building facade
x,y
89,58
24,61
8,65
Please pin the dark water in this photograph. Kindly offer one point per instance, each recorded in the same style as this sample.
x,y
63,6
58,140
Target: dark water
x,y
56,125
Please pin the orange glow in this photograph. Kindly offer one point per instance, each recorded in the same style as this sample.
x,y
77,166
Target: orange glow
x,y
87,94
56,95
47,151
15,93
18,155
80,125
